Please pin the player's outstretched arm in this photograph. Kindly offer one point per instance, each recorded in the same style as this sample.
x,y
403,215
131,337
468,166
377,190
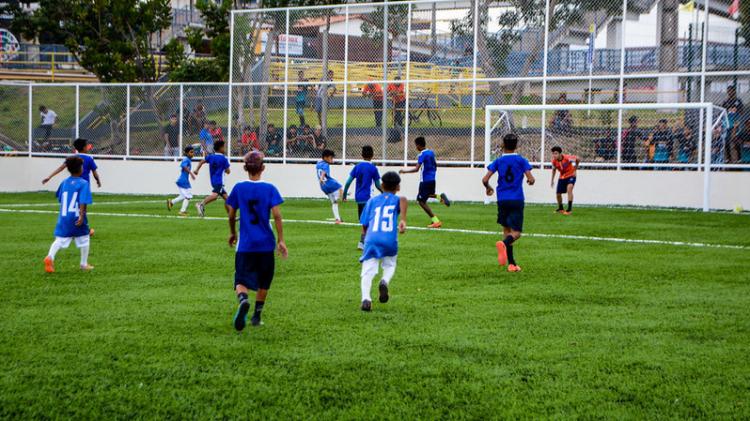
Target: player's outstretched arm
x,y
281,244
232,226
486,183
530,178
403,205
200,164
54,173
410,170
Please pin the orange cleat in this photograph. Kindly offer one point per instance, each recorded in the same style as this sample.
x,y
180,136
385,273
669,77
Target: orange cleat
x,y
49,265
566,213
437,224
338,222
502,253
514,268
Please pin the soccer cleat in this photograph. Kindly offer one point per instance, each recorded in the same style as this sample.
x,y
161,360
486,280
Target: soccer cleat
x,y
169,205
444,200
338,222
360,246
566,213
201,209
437,224
366,305
240,317
255,321
183,214
502,253
49,265
87,267
514,268
383,289
562,211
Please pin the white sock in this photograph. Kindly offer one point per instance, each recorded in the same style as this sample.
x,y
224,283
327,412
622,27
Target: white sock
x,y
389,268
369,270
178,199
185,205
54,248
84,256
335,207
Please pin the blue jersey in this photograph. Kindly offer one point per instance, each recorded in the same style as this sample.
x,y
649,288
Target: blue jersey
x,y
510,169
429,165
184,180
380,216
254,200
88,166
329,185
217,164
366,174
206,137
73,192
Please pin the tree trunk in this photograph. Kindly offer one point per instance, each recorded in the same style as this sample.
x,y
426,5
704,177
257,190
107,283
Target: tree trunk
x,y
266,76
324,112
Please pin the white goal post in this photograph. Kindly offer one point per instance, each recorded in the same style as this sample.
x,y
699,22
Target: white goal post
x,y
500,118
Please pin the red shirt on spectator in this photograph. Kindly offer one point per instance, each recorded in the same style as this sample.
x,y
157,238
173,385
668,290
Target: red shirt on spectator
x,y
396,91
375,90
251,139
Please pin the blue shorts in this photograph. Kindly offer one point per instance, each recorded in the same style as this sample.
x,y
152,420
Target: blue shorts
x,y
426,189
562,184
254,270
218,189
510,214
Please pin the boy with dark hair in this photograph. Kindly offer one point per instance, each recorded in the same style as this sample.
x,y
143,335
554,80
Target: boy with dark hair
x,y
366,174
254,262
511,169
568,167
89,166
218,165
183,182
427,164
74,194
328,184
381,243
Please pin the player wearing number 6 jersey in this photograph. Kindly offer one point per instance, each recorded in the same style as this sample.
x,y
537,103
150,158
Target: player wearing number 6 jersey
x,y
381,220
510,169
74,194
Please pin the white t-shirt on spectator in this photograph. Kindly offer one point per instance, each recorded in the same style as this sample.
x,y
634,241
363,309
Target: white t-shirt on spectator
x,y
48,118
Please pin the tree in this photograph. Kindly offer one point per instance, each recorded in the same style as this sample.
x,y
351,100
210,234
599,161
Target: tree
x,y
111,38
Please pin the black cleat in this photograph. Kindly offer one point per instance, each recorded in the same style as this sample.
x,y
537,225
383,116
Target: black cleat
x,y
445,200
240,317
383,289
255,321
366,305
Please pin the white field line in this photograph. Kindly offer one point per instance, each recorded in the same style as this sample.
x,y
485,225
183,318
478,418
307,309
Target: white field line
x,y
452,230
24,205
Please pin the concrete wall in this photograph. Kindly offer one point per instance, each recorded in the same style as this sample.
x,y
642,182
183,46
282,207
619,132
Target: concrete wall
x,y
640,188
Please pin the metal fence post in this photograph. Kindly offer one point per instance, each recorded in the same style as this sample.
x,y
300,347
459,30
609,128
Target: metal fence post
x,y
78,111
704,56
229,119
181,104
286,83
346,85
621,89
547,12
407,84
127,121
707,160
31,127
474,85
385,79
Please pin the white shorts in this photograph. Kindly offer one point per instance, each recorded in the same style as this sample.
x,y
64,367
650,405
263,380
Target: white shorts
x,y
186,193
82,241
371,265
333,197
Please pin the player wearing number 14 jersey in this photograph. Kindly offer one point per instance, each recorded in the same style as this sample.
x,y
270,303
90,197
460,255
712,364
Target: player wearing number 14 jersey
x,y
74,194
382,223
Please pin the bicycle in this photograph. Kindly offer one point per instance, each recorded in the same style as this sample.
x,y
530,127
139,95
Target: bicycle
x,y
432,115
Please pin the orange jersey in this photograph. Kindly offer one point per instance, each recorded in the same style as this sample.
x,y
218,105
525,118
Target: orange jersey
x,y
375,90
567,166
396,91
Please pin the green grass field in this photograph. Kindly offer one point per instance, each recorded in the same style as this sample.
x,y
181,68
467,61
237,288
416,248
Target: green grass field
x,y
589,329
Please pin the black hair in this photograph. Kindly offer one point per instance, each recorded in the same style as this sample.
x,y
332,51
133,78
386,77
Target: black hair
x,y
218,145
188,149
557,149
390,181
42,108
74,164
271,125
292,127
633,119
420,141
213,122
327,153
80,144
367,152
510,142
663,120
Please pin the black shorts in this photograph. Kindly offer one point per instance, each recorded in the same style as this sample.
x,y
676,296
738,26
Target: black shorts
x,y
563,183
254,270
510,214
219,189
360,208
426,189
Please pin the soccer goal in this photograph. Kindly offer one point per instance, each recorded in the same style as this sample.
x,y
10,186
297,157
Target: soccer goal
x,y
625,137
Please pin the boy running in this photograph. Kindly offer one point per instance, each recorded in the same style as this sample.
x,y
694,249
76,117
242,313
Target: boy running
x,y
365,173
511,169
218,165
330,186
568,167
427,163
381,242
183,182
74,194
254,262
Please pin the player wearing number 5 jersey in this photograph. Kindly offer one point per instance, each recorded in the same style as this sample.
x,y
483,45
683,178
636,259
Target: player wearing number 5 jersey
x,y
384,217
511,169
74,194
254,262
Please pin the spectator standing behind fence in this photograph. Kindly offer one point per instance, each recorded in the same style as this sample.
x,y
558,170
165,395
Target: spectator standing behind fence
x,y
325,90
630,138
216,132
249,141
684,141
197,118
319,138
562,120
300,99
49,118
396,94
375,91
660,143
171,136
735,109
273,141
206,138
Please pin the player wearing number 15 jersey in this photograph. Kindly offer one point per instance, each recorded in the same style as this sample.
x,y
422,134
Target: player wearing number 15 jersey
x,y
382,223
254,262
511,169
74,194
